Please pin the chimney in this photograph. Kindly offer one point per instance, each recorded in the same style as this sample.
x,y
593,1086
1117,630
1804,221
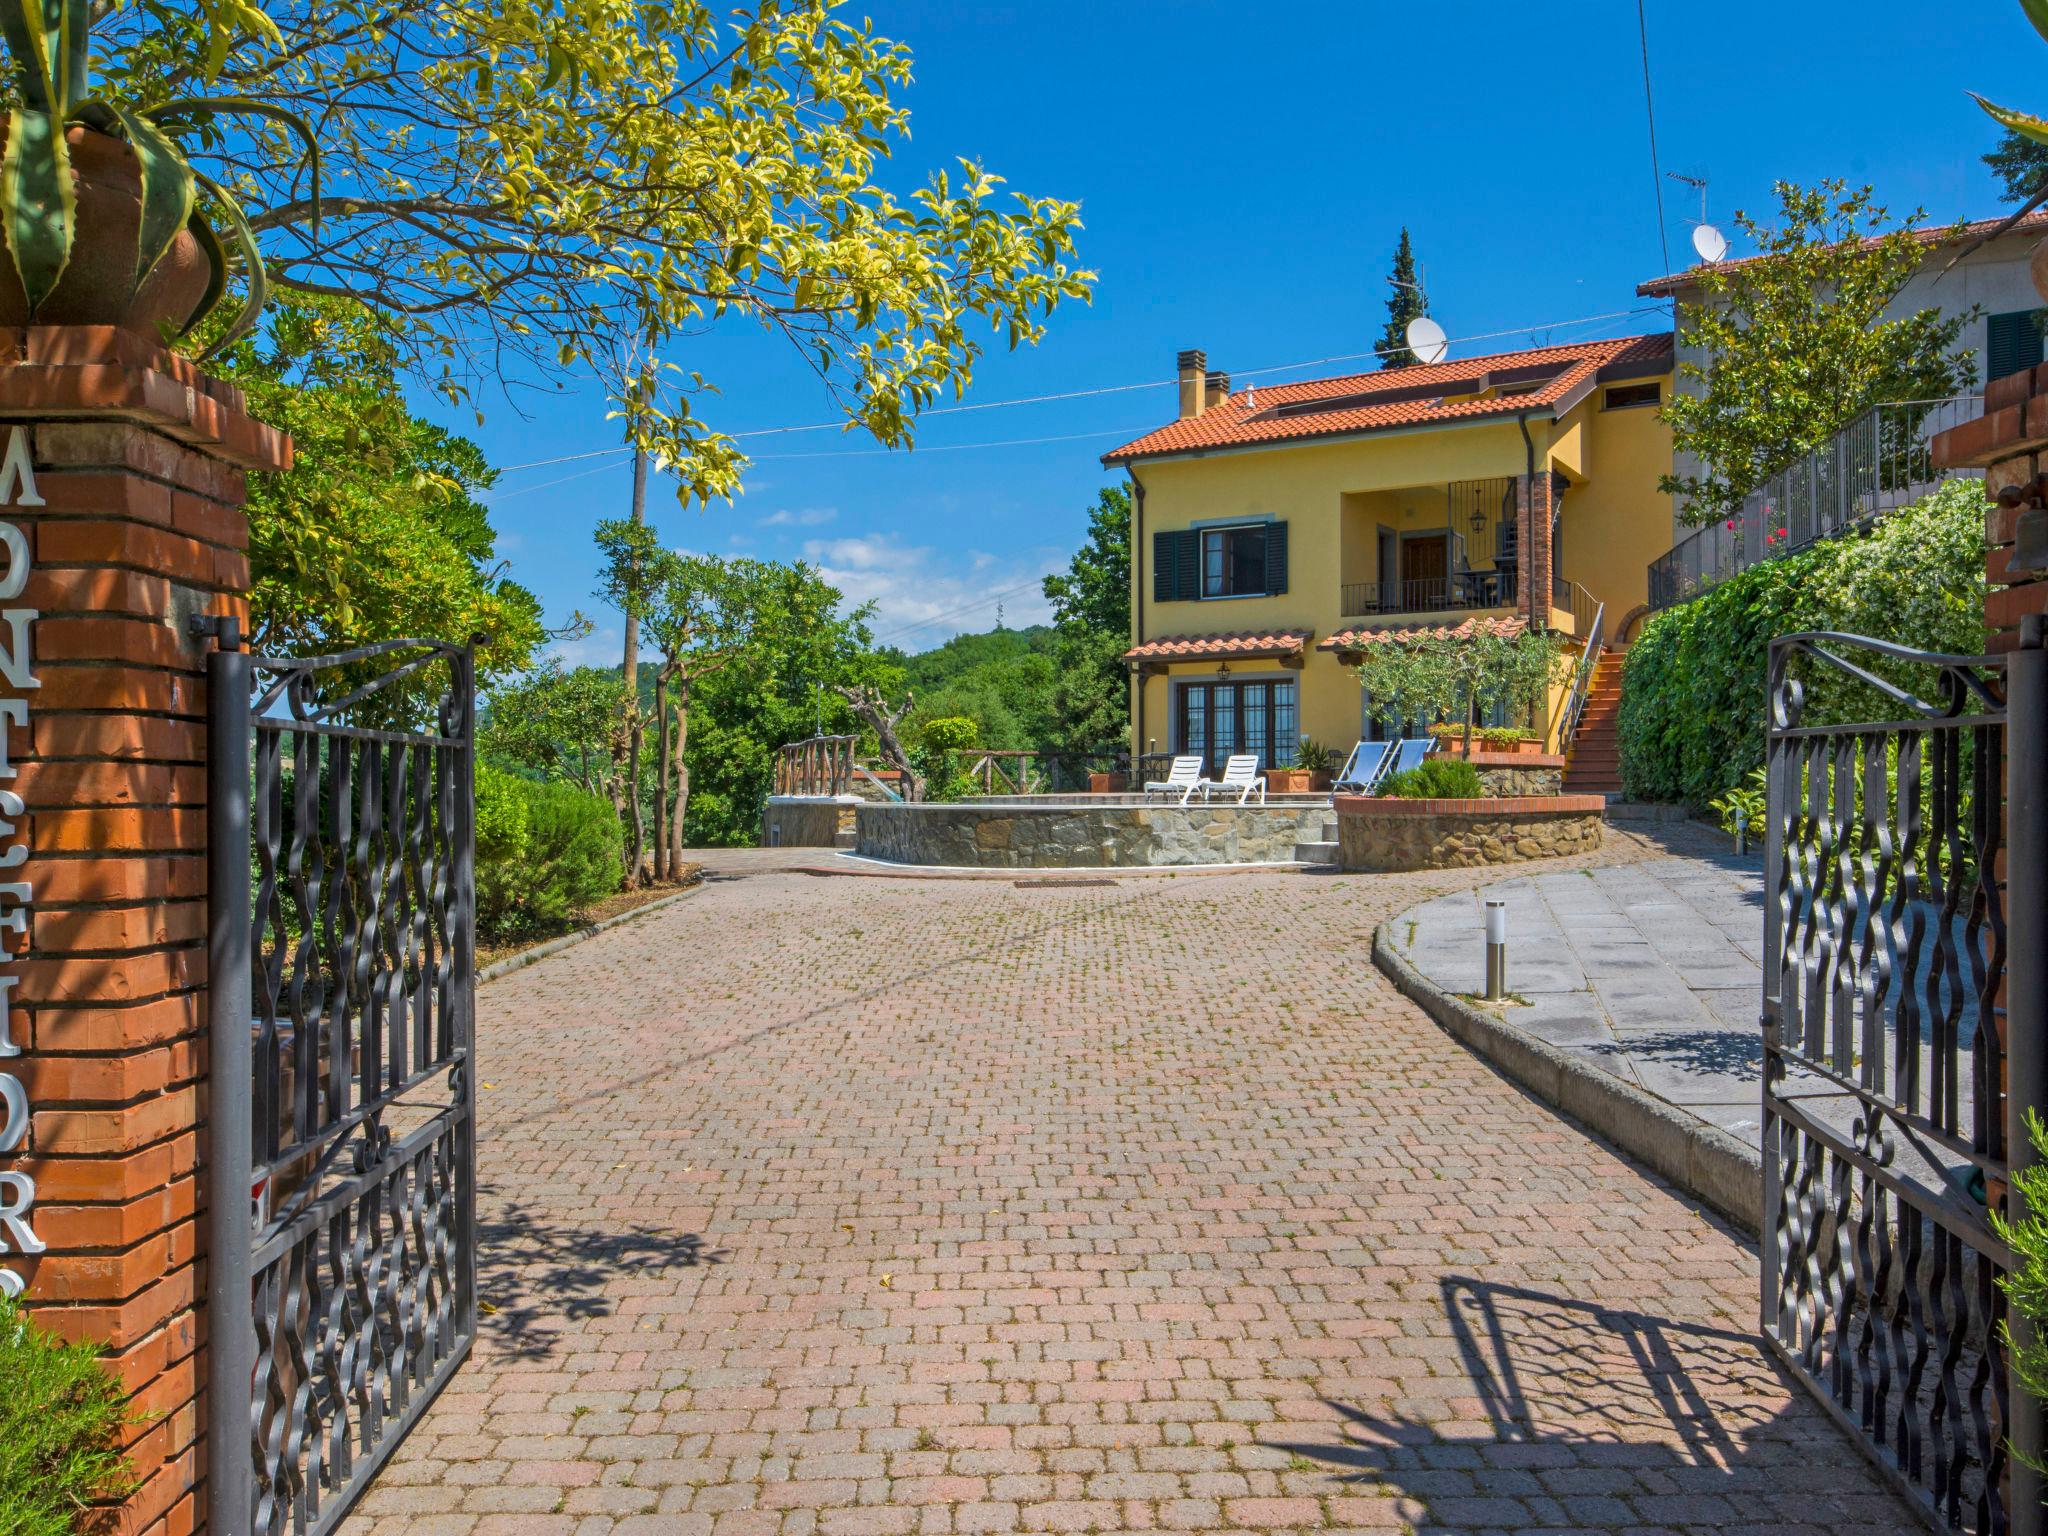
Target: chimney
x,y
1217,391
1192,366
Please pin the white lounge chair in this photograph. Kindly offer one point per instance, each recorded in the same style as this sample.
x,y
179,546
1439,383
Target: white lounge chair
x,y
1240,774
1182,779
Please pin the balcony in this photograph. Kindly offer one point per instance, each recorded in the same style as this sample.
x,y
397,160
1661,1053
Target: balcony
x,y
1436,594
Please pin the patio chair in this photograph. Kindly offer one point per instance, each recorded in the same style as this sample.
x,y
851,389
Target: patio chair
x,y
1183,779
1409,752
1240,774
1364,768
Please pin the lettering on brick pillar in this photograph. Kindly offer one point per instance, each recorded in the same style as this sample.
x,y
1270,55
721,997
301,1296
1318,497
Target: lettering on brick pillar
x,y
17,677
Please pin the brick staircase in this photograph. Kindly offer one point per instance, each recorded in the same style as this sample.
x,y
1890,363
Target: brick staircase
x,y
1594,766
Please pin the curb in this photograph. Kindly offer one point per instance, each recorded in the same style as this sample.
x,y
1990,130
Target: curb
x,y
1701,1159
526,957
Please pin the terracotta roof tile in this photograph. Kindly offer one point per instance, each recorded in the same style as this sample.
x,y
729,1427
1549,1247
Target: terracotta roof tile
x,y
1400,397
1926,234
1361,635
1255,642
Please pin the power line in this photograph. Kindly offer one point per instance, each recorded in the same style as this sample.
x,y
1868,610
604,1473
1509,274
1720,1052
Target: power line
x,y
1084,394
1650,112
962,611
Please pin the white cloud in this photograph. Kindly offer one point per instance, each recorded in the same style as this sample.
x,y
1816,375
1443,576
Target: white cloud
x,y
806,517
924,596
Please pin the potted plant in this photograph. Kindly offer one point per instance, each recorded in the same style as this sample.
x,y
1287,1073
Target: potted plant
x,y
1300,779
1319,760
98,204
1107,783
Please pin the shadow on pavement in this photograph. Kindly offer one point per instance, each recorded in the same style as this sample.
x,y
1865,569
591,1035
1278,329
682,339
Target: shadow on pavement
x,y
1605,1416
538,1277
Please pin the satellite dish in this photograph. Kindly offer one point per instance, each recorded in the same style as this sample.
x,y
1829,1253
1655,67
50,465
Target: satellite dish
x,y
1710,243
1426,339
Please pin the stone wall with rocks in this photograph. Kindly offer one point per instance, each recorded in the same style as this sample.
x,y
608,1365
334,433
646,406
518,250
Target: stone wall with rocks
x,y
805,821
1377,835
1015,835
1531,776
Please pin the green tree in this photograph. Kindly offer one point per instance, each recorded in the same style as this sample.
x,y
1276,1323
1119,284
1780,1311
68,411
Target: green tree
x,y
376,531
534,188
1405,302
556,722
704,615
1793,344
2020,164
1089,710
1440,675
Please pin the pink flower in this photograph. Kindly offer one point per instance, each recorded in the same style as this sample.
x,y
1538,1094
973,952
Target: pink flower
x,y
1781,533
1731,525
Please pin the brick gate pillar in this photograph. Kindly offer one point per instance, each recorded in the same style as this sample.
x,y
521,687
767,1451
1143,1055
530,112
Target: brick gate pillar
x,y
124,472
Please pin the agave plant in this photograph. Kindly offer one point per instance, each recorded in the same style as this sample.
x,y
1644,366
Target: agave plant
x,y
48,43
2025,124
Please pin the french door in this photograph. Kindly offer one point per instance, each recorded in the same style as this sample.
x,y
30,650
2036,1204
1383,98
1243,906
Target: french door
x,y
1225,719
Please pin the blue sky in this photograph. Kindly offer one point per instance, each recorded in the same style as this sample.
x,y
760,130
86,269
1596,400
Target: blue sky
x,y
1244,172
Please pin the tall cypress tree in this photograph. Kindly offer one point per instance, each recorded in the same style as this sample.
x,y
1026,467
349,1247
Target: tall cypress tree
x,y
1405,300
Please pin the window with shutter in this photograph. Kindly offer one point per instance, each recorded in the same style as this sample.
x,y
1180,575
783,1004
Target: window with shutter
x,y
2012,342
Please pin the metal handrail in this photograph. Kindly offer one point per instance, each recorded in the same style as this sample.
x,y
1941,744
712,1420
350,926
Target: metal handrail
x,y
1574,705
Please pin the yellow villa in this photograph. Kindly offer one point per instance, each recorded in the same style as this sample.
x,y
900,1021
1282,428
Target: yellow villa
x,y
1278,531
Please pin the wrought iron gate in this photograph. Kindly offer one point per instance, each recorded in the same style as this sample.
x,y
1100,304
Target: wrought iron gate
x,y
1903,930
341,1228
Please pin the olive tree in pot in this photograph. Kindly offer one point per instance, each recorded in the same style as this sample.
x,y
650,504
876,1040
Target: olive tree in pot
x,y
99,206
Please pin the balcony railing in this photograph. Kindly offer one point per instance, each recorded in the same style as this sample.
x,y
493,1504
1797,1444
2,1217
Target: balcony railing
x,y
1881,460
1435,594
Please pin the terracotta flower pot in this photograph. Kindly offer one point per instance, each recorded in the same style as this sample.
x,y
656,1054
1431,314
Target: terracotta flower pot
x,y
1288,781
1105,783
98,285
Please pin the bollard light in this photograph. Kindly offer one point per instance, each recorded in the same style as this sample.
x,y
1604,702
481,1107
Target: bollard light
x,y
1741,830
1496,949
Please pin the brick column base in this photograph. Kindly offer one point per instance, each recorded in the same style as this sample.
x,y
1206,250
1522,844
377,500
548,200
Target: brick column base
x,y
138,460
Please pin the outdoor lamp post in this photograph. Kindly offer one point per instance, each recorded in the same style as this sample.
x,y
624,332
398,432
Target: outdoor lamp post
x,y
1496,948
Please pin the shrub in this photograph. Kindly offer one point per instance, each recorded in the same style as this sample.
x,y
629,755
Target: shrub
x,y
61,1417
574,854
1692,699
949,733
1437,778
1493,738
543,850
503,839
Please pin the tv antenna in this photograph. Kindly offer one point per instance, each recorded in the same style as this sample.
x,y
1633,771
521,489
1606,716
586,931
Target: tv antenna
x,y
1707,240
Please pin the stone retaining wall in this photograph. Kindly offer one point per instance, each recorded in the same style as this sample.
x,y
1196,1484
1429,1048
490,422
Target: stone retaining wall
x,y
1531,776
1015,835
805,821
1376,835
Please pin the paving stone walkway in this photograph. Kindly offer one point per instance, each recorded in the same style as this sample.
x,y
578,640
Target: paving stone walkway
x,y
818,1205
1650,970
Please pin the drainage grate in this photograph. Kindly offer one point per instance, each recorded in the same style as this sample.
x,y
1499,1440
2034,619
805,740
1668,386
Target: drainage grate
x,y
1040,885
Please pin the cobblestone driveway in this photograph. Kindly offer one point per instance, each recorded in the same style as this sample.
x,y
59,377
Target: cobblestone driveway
x,y
845,1205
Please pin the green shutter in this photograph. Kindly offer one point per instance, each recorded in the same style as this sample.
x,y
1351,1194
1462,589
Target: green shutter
x,y
2012,342
1276,558
1165,567
1176,576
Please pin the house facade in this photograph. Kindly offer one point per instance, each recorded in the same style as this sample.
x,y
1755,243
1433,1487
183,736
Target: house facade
x,y
2006,326
1279,531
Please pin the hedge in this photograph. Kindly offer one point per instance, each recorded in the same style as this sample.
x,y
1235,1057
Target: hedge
x,y
1692,698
